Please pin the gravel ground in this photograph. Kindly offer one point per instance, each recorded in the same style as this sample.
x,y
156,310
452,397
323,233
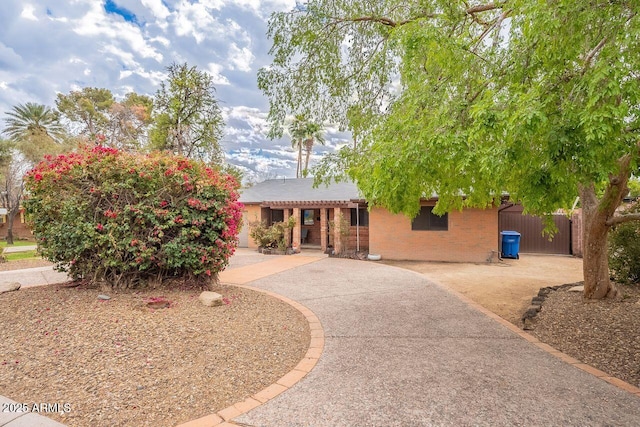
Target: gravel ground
x,y
120,363
603,334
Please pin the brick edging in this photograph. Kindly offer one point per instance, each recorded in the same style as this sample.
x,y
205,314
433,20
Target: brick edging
x,y
546,347
223,417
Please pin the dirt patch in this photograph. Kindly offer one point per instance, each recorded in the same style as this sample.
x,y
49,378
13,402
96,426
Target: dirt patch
x,y
24,263
117,362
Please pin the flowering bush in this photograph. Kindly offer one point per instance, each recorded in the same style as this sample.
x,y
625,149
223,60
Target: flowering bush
x,y
127,220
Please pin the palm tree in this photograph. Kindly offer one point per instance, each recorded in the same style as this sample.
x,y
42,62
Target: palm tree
x,y
297,134
33,121
304,133
313,133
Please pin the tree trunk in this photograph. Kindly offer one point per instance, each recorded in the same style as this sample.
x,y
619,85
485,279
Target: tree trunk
x,y
299,170
596,213
308,146
597,284
10,217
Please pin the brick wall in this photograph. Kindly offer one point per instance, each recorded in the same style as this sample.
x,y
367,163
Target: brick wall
x,y
471,237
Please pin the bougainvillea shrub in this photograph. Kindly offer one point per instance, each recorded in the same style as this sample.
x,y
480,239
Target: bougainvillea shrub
x,y
128,220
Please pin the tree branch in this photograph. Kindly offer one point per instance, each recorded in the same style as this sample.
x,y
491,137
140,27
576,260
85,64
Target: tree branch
x,y
621,219
391,23
593,53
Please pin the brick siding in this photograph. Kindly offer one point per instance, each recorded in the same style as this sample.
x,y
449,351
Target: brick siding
x,y
472,237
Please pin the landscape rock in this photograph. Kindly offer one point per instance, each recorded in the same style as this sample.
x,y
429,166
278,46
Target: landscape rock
x,y
210,299
8,287
577,289
104,297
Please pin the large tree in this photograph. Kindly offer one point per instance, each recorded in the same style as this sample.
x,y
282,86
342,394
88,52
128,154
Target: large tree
x,y
469,99
87,109
129,122
96,116
187,119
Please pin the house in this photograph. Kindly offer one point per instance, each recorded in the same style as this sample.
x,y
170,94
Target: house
x,y
21,230
315,210
470,235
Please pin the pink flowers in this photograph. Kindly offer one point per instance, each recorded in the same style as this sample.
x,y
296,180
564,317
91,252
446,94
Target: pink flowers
x,y
155,213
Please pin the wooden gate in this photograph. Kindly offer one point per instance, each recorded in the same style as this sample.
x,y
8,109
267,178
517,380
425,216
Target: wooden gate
x,y
530,228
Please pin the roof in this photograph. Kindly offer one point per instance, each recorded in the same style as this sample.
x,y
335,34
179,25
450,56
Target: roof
x,y
299,191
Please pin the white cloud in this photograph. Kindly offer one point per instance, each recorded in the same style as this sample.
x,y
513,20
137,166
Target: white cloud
x,y
81,45
28,13
127,58
215,70
193,19
96,23
240,59
158,9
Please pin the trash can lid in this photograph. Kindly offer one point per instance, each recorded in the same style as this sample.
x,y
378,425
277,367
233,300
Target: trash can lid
x,y
509,233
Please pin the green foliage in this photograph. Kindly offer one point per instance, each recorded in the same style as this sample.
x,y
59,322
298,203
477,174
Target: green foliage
x,y
634,187
343,225
459,99
272,237
33,121
187,119
97,117
305,134
624,252
126,220
87,108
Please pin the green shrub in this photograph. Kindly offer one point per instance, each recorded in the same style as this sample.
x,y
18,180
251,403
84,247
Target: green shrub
x,y
127,220
624,252
272,237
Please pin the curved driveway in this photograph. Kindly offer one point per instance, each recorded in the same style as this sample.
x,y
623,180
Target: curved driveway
x,y
401,351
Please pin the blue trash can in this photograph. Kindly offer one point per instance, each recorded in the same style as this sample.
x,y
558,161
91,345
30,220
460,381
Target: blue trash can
x,y
510,244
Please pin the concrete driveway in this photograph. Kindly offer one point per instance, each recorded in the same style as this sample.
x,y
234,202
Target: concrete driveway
x,y
402,351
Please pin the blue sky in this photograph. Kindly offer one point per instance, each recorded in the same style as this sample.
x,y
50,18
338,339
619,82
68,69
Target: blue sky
x,y
53,46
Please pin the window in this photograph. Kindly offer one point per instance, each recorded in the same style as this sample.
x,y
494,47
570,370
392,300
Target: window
x,y
277,215
427,220
307,217
360,217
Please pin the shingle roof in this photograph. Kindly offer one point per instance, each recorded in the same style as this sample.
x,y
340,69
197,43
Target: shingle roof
x,y
299,190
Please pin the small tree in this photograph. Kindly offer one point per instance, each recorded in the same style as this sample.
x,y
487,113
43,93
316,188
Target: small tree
x,y
125,220
343,226
273,237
